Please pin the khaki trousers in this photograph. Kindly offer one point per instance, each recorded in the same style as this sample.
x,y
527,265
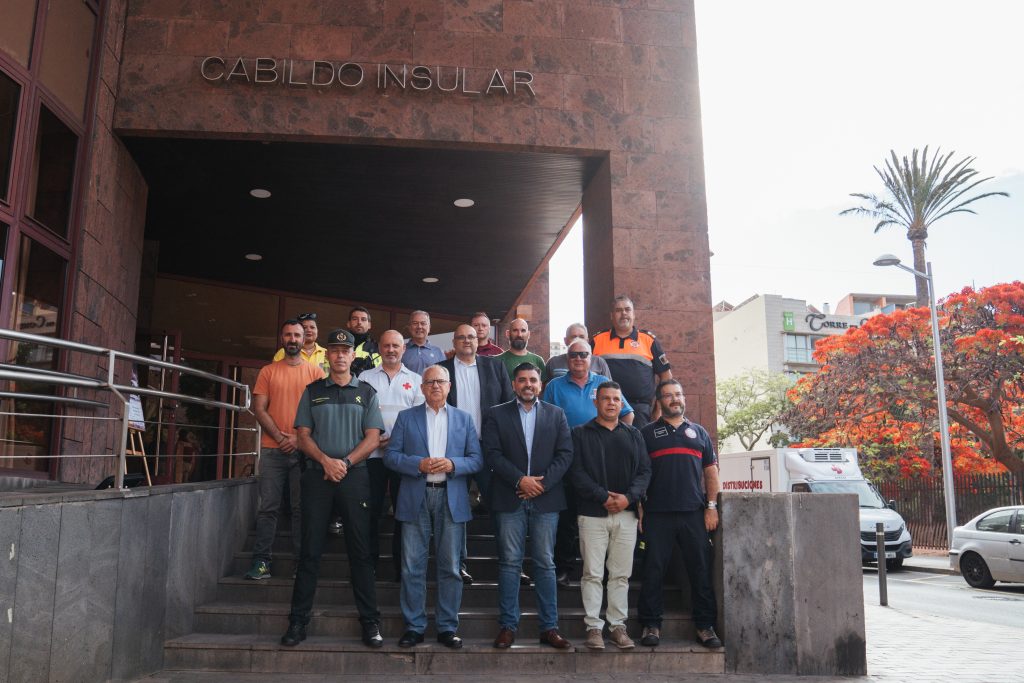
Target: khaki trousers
x,y
607,542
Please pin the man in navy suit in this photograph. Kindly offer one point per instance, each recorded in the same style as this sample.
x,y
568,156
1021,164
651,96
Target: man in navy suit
x,y
435,448
529,448
478,383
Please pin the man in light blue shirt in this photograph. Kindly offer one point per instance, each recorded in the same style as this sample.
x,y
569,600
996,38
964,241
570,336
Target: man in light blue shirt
x,y
420,354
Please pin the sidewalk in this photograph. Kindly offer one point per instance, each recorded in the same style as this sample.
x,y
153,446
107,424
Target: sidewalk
x,y
931,561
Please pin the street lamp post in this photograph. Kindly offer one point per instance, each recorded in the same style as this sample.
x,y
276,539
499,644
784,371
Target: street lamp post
x,y
940,390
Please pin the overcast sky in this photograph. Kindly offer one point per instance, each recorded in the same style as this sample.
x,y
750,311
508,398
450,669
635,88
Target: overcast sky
x,y
801,98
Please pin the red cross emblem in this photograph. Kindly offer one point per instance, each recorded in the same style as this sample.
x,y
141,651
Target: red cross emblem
x,y
407,386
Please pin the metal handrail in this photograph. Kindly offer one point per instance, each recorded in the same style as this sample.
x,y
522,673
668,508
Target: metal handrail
x,y
122,392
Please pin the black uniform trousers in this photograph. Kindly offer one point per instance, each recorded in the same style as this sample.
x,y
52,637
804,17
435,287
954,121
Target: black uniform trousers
x,y
319,497
384,480
662,531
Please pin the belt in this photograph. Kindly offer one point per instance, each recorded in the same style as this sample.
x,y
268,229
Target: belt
x,y
437,484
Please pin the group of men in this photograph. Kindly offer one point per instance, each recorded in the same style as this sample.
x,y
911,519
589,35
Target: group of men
x,y
555,449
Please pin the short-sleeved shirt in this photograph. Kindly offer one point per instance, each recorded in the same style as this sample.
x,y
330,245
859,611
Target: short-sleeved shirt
x,y
393,395
635,362
283,385
577,401
559,365
317,358
513,361
419,358
338,416
678,459
489,349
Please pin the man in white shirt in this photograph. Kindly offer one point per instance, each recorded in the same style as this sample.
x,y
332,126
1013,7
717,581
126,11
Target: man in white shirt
x,y
397,388
435,448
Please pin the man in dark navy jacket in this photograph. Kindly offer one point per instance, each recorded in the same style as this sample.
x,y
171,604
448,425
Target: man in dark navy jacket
x,y
529,448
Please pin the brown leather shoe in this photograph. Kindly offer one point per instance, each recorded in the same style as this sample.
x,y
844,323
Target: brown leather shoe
x,y
506,637
554,639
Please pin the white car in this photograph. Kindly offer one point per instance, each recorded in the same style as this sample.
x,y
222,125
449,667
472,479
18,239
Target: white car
x,y
990,547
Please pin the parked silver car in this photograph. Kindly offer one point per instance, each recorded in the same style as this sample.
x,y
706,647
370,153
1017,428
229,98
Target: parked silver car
x,y
990,547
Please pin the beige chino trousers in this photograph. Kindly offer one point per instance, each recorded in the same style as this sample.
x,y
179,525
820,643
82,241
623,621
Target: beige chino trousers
x,y
607,541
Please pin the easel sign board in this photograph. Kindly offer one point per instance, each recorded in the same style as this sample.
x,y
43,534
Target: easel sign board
x,y
136,418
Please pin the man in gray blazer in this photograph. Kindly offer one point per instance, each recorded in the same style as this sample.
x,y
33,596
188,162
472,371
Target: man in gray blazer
x,y
528,446
435,448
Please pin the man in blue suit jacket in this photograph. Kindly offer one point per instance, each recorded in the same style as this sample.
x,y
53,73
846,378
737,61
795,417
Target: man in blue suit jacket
x,y
435,448
528,446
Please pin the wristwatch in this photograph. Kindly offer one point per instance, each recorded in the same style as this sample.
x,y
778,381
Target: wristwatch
x,y
348,463
713,505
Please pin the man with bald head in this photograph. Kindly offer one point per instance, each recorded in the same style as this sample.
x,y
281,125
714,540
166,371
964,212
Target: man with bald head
x,y
397,388
518,335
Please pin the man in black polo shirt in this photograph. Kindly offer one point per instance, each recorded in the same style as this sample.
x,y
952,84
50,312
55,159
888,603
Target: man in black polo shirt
x,y
681,507
339,425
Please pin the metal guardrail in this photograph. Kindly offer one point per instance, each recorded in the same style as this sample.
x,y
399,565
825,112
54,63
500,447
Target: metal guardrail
x,y
122,392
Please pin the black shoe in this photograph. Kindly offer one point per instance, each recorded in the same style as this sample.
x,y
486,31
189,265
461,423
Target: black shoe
x,y
449,639
708,638
467,578
371,636
295,634
524,580
411,639
562,579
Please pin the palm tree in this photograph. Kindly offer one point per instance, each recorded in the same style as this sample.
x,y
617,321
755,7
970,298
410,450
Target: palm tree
x,y
918,192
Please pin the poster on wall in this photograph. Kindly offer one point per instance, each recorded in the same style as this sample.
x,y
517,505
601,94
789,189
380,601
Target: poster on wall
x,y
136,420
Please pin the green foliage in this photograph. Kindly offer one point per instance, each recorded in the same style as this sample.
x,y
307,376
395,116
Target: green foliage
x,y
749,404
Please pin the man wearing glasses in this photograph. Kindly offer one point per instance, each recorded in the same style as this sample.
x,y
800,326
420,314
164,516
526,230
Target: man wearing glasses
x,y
435,448
575,393
311,351
559,365
478,383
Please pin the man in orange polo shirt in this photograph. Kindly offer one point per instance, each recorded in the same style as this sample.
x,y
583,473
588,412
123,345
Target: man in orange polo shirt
x,y
635,358
275,401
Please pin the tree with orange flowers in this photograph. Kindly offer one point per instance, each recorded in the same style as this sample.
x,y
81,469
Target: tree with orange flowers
x,y
876,380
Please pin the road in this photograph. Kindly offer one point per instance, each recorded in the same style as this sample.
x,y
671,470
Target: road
x,y
950,597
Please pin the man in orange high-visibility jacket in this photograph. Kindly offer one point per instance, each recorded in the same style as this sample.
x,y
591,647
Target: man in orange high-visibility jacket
x,y
635,358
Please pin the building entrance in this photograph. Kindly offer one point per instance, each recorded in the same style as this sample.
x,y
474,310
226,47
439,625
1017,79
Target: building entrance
x,y
242,235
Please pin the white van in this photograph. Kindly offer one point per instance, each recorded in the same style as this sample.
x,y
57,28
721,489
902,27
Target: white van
x,y
821,470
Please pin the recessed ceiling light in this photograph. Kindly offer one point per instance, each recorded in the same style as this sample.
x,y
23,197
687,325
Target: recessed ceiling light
x,y
225,339
430,280
191,295
464,203
254,257
211,320
259,193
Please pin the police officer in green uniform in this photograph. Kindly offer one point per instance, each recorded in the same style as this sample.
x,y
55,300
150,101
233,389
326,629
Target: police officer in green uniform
x,y
339,425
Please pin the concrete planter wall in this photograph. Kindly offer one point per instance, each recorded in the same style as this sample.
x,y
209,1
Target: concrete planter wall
x,y
92,583
790,584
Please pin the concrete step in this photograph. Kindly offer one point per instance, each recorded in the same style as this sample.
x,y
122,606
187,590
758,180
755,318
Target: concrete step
x,y
341,620
339,591
336,566
478,544
318,655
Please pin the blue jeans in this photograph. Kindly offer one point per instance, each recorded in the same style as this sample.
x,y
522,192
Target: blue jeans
x,y
448,537
513,528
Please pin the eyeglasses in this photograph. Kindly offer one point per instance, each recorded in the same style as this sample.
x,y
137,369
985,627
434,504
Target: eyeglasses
x,y
306,316
435,382
464,337
579,354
